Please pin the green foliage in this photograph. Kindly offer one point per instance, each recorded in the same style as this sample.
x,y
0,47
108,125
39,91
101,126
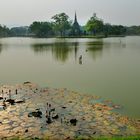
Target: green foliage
x,y
61,23
94,25
133,30
19,31
4,31
62,26
114,30
41,29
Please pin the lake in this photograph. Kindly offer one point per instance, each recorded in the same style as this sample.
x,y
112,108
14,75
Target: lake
x,y
109,67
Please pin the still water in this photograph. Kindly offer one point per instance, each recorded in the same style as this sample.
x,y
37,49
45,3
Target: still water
x,y
109,67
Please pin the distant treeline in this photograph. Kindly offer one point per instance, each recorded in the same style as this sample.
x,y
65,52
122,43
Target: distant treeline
x,y
16,31
4,31
62,26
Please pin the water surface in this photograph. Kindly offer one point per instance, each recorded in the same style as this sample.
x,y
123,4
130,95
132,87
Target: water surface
x,y
109,67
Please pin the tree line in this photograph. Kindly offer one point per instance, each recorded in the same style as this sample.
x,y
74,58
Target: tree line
x,y
61,25
4,31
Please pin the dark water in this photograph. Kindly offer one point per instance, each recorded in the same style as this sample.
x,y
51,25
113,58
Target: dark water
x,y
109,67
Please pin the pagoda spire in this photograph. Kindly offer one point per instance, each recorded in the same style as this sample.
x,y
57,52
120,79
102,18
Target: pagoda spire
x,y
76,28
75,20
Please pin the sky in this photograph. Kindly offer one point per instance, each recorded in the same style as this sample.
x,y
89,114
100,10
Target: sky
x,y
24,12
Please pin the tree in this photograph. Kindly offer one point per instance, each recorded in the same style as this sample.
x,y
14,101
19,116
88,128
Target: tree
x,y
61,23
94,25
133,30
107,29
114,29
19,31
41,29
4,31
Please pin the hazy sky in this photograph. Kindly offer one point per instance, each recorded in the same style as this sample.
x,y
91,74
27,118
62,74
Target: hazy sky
x,y
24,12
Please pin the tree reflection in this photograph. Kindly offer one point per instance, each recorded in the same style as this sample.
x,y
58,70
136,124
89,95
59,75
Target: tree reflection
x,y
76,50
40,48
1,48
95,48
60,50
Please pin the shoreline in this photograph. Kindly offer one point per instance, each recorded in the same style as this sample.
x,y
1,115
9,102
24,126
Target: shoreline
x,y
29,111
70,37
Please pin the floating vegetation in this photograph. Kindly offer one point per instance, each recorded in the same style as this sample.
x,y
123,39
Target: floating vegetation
x,y
28,111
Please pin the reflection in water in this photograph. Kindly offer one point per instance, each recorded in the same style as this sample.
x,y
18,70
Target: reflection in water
x,y
60,50
40,48
95,45
95,48
76,49
102,78
3,46
0,48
